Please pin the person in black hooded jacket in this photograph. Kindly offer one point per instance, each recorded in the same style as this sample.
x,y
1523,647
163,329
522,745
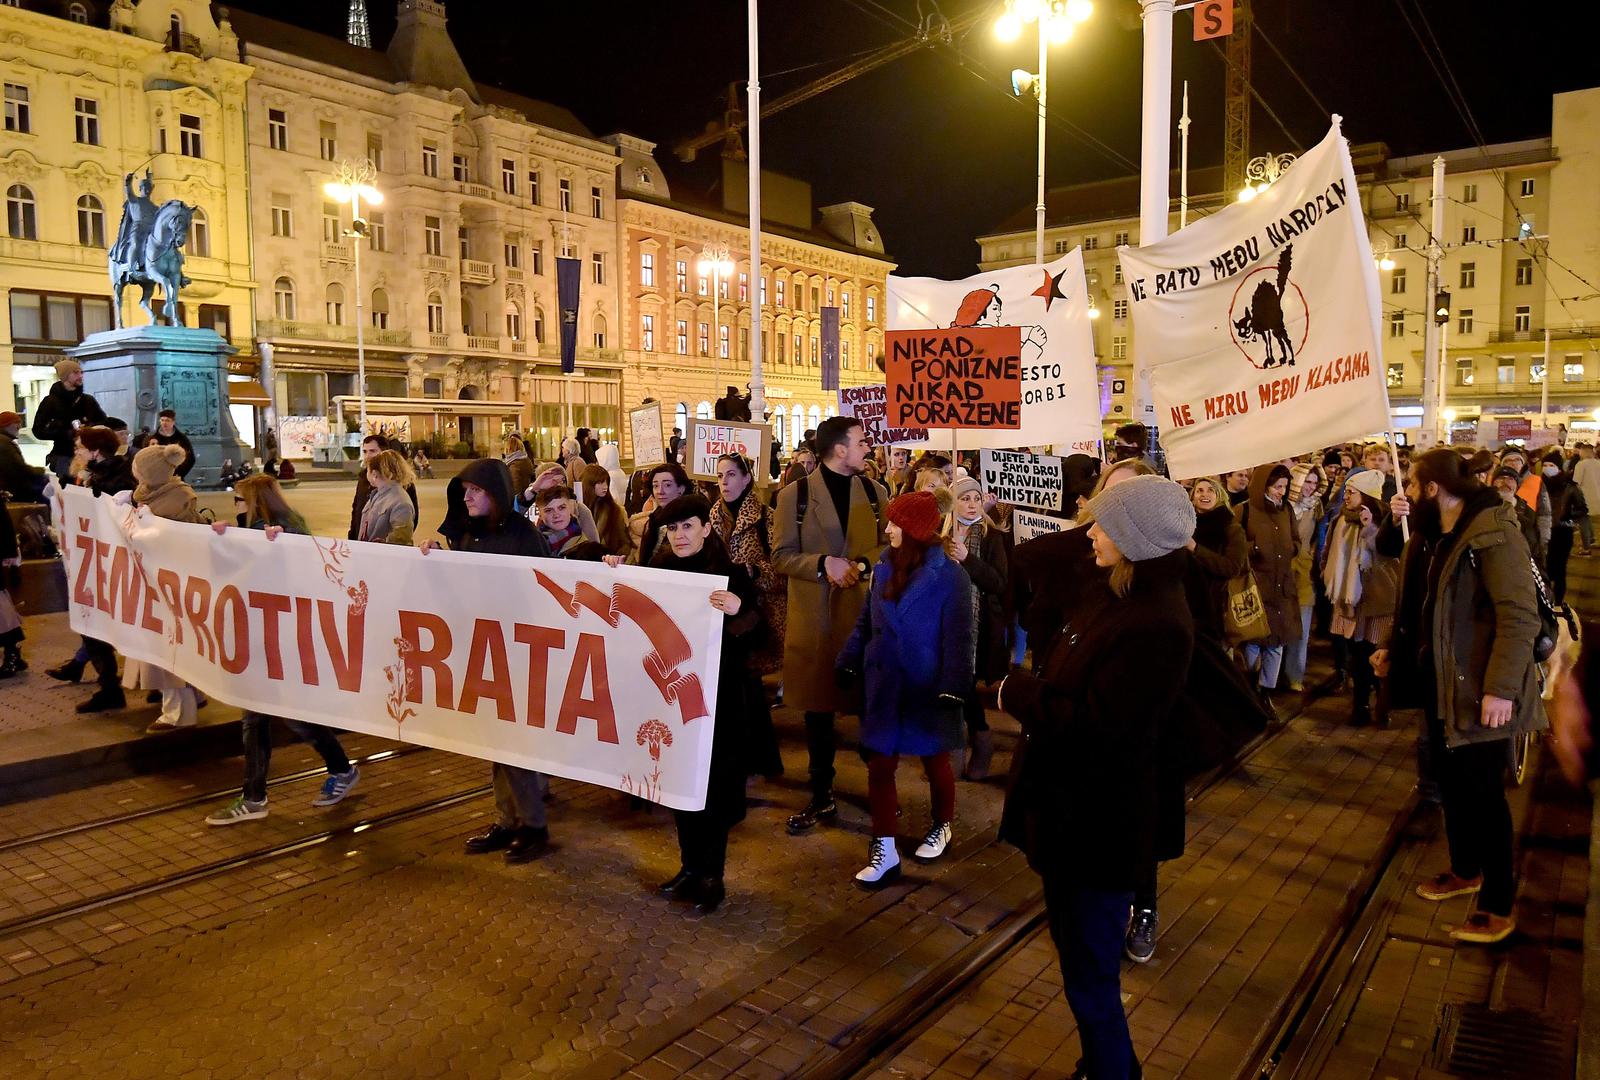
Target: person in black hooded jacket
x,y
479,517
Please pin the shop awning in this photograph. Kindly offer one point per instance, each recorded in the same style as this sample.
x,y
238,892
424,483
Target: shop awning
x,y
247,392
425,406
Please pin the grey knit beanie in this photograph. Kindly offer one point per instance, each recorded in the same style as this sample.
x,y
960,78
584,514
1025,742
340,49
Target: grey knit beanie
x,y
1146,517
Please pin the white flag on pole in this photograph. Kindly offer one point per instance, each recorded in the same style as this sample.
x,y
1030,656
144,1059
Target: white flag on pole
x,y
1060,391
1259,324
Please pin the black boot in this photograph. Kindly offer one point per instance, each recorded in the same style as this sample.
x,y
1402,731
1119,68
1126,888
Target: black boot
x,y
528,845
982,754
673,886
705,892
495,838
105,699
71,671
821,806
13,664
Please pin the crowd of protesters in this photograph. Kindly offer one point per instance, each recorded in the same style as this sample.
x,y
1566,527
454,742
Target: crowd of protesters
x,y
887,584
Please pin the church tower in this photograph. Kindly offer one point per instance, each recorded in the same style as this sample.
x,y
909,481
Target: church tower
x,y
356,30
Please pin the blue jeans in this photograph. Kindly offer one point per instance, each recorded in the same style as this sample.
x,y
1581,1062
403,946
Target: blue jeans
x,y
258,750
1019,644
1294,653
1268,659
1087,926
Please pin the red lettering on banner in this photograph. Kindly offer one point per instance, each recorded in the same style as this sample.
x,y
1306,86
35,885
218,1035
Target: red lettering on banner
x,y
240,618
488,644
170,586
148,619
344,656
588,664
124,586
433,658
539,640
1181,417
102,600
1278,391
80,584
196,603
273,606
1234,403
303,606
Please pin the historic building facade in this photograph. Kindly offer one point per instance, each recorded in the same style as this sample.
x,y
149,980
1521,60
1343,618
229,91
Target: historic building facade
x,y
1521,245
94,91
687,334
482,191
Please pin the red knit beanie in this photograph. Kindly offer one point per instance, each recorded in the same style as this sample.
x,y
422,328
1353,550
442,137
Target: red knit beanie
x,y
917,512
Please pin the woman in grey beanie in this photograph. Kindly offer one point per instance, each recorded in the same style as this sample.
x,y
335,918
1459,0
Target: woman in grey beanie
x,y
1087,802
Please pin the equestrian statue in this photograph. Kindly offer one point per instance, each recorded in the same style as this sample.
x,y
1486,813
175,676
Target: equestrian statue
x,y
148,251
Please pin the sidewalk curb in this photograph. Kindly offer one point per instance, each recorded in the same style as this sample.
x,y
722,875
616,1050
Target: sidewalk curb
x,y
52,774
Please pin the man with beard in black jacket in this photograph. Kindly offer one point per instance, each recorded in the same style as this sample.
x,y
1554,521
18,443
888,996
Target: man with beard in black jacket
x,y
65,409
167,434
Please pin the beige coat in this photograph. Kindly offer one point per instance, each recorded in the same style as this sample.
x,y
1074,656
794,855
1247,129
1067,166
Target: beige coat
x,y
821,616
174,500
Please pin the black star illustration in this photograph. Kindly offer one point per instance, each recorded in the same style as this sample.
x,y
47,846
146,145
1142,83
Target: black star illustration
x,y
1051,289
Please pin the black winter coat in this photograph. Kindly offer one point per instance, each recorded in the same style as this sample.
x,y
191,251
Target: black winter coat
x,y
1090,802
111,475
509,534
177,438
988,568
52,420
1221,553
1049,574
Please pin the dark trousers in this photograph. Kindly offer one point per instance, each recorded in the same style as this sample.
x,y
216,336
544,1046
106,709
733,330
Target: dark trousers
x,y
258,750
1363,680
104,658
972,712
1146,889
1556,559
1477,818
884,799
821,745
702,842
1087,926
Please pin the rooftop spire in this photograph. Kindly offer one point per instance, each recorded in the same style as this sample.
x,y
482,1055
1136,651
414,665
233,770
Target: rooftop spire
x,y
356,30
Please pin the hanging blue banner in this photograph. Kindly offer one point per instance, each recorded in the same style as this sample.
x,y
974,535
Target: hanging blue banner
x,y
830,348
569,275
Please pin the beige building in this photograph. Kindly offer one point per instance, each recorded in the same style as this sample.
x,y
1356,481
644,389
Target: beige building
x,y
687,339
482,191
94,91
1521,247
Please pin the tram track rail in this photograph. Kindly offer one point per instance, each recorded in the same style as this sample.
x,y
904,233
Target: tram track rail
x,y
190,801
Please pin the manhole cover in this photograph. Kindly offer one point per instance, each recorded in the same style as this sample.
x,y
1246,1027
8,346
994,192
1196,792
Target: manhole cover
x,y
1510,1044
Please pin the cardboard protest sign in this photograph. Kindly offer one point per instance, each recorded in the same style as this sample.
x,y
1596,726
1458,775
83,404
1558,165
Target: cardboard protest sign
x,y
1026,526
608,676
1049,306
1021,478
870,405
965,378
1259,324
649,442
710,439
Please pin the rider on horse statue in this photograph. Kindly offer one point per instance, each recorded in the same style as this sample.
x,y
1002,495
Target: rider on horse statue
x,y
146,252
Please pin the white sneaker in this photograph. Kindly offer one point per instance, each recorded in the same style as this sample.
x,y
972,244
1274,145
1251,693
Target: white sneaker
x,y
935,842
240,809
883,864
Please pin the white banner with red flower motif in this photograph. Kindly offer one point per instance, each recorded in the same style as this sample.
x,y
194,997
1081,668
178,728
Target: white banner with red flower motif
x,y
1259,323
571,668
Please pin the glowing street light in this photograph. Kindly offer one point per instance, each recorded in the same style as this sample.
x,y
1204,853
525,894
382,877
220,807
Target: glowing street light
x,y
354,186
1262,172
716,261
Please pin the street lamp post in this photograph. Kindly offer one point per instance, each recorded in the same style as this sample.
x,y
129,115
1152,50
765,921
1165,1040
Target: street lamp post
x,y
353,186
1262,172
1056,20
716,261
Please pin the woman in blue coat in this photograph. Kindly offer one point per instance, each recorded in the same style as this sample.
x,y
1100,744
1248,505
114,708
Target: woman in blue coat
x,y
915,644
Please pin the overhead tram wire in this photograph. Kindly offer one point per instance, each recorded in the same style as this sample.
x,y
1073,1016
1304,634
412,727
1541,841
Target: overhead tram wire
x,y
1276,119
1291,69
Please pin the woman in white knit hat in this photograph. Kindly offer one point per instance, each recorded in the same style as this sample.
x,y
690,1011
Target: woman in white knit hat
x,y
1088,805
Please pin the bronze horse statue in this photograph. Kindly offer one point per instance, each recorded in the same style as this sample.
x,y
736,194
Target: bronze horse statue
x,y
150,254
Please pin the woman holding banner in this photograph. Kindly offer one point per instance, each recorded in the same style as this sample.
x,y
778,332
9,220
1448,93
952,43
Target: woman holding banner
x,y
974,543
744,525
1269,525
164,495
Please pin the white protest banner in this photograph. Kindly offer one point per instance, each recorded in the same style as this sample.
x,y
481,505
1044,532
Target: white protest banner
x,y
870,405
649,446
710,439
1026,526
1021,478
570,668
1050,305
1259,324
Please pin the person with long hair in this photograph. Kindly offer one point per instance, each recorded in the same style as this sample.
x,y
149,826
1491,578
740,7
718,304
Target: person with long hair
x,y
1461,653
975,544
913,646
515,455
1086,800
1269,524
691,546
610,520
266,508
1220,552
1360,584
163,494
388,517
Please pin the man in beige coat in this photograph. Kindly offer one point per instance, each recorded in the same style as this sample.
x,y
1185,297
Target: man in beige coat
x,y
830,532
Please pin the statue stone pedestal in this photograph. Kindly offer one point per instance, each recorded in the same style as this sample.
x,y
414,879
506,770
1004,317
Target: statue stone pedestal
x,y
137,371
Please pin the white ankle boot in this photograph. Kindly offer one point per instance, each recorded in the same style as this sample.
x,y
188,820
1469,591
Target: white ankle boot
x,y
935,842
883,863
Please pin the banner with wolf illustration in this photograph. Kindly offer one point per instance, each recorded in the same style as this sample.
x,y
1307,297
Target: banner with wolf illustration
x,y
1259,324
571,668
1049,304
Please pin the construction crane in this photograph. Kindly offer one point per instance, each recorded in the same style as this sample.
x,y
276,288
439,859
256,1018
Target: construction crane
x,y
934,30
1236,101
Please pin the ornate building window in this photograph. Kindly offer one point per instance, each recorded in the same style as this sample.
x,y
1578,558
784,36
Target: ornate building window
x,y
86,121
277,129
91,222
22,222
513,321
335,304
283,299
435,313
189,141
19,111
78,14
380,309
538,324
564,197
597,202
599,331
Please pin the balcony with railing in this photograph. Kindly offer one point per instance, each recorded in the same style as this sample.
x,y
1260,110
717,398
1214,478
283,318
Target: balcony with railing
x,y
477,272
341,253
184,43
476,191
323,331
438,341
435,262
482,343
513,273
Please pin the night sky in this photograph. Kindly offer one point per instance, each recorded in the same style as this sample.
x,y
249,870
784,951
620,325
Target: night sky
x,y
936,142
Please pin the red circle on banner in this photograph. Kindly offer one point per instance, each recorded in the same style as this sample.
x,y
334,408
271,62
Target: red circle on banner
x,y
1233,331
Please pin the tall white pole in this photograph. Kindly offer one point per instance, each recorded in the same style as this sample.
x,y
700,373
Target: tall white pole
x,y
1038,210
1430,329
1444,380
1155,157
1544,385
361,342
716,329
758,394
1183,160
